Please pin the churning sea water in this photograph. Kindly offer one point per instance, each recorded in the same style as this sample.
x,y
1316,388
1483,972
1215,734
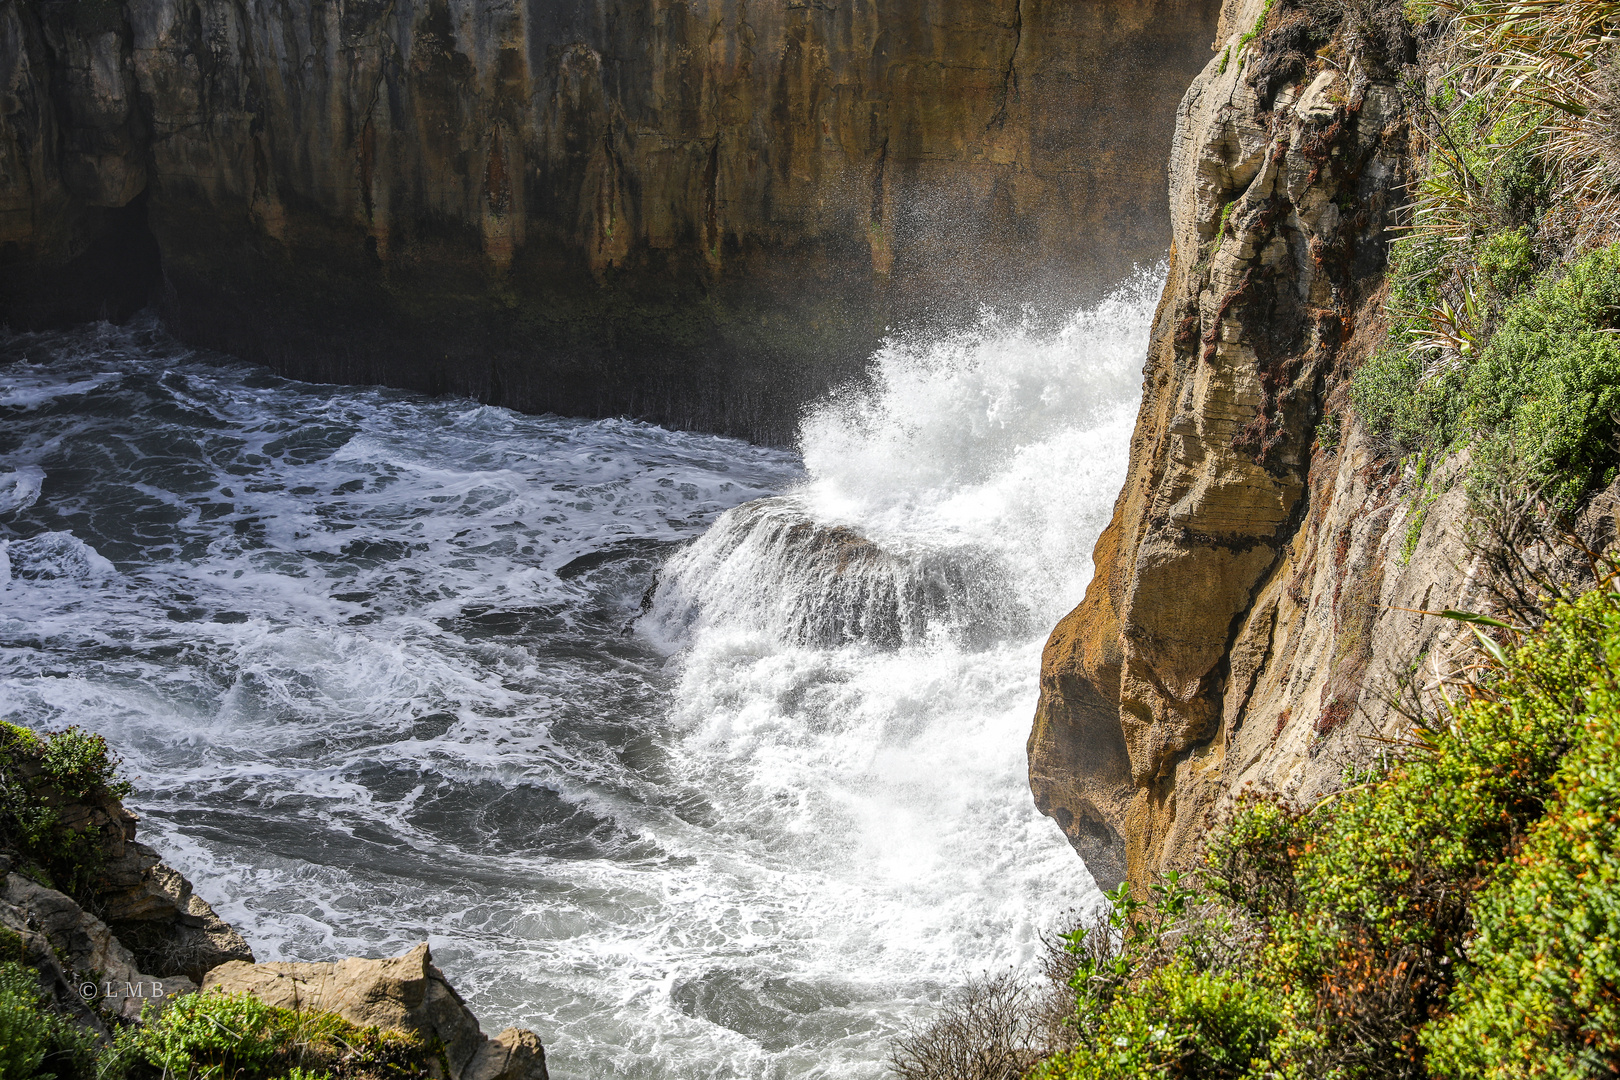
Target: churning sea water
x,y
387,668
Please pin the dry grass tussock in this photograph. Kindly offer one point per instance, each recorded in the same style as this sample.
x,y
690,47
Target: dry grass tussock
x,y
999,1026
1557,64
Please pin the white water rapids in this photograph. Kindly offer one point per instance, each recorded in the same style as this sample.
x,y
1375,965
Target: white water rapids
x,y
385,669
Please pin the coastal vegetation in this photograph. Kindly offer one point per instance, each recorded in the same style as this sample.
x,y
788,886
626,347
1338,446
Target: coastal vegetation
x,y
50,785
197,1037
1504,292
235,1035
37,1042
1454,915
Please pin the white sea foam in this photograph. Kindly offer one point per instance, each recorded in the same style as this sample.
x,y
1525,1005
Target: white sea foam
x,y
367,657
19,488
55,556
858,658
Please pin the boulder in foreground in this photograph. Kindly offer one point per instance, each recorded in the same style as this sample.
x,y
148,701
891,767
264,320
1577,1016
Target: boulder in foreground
x,y
405,993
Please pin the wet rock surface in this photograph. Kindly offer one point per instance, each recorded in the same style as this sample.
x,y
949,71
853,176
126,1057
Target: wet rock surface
x,y
826,585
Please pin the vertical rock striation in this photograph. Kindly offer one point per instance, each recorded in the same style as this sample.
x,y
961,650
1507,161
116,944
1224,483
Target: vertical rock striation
x,y
704,212
1245,615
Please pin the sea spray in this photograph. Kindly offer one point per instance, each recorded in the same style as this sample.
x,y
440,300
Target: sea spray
x,y
858,657
378,666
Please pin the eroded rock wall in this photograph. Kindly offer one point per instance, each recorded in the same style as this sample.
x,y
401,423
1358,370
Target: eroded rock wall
x,y
1246,624
702,211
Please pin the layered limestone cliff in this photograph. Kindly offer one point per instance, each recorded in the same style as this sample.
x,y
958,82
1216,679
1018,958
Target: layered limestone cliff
x,y
704,212
1248,623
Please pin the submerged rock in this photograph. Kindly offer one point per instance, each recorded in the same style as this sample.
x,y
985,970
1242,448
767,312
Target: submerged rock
x,y
770,564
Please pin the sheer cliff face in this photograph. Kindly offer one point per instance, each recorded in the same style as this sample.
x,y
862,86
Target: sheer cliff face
x,y
1244,622
703,211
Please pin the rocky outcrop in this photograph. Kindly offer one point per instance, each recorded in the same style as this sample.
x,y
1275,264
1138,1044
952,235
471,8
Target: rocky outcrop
x,y
404,993
704,213
133,933
769,563
92,975
168,929
1246,622
81,963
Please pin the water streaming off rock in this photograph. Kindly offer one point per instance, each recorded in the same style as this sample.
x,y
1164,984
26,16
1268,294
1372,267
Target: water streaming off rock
x,y
388,668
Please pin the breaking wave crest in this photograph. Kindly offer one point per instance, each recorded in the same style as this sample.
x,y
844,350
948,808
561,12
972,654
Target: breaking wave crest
x,y
385,669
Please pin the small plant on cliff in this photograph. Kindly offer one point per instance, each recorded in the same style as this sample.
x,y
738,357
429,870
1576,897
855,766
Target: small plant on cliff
x,y
1520,192
35,1042
1559,58
43,778
1549,384
1164,987
204,1036
213,1035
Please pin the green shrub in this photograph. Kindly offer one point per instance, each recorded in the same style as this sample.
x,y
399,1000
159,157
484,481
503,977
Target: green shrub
x,y
1454,915
1180,1021
1399,397
204,1036
80,764
36,1043
1506,260
40,774
1403,392
1548,385
1544,391
22,1038
209,1035
1540,995
1369,899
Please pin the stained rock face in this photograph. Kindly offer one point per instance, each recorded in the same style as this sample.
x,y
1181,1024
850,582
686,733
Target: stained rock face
x,y
1241,603
403,993
1259,594
701,212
